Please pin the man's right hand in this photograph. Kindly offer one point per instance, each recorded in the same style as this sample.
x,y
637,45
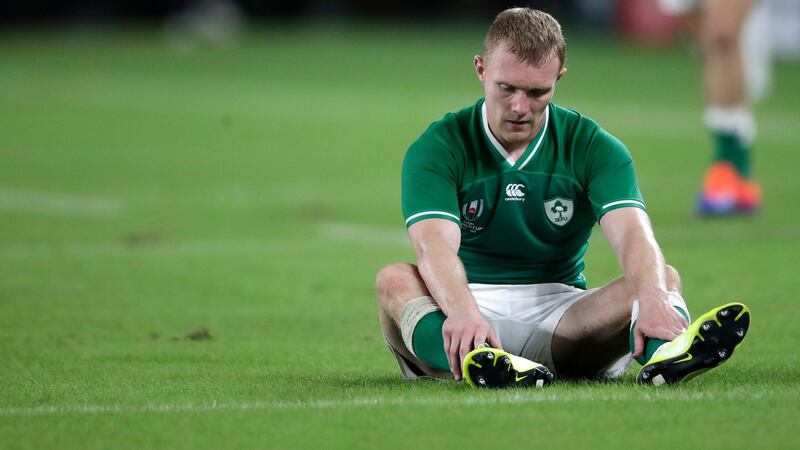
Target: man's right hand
x,y
464,332
436,242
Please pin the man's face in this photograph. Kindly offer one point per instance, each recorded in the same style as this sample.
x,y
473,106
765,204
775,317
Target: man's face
x,y
516,94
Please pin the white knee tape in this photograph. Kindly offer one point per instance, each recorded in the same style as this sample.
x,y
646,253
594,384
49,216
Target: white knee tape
x,y
413,312
634,312
675,299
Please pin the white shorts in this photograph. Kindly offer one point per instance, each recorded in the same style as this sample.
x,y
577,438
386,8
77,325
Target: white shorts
x,y
525,316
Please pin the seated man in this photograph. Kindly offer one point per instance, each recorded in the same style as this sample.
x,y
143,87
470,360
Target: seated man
x,y
500,199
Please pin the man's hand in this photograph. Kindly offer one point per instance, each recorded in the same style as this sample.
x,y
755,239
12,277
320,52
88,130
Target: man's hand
x,y
629,232
436,243
464,332
657,319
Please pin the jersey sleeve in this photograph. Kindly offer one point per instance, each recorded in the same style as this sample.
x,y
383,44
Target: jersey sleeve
x,y
611,178
429,180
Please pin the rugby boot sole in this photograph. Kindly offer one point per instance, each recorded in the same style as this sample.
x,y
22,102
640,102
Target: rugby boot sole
x,y
487,367
707,343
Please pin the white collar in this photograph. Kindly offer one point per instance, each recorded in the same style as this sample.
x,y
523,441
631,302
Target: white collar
x,y
499,147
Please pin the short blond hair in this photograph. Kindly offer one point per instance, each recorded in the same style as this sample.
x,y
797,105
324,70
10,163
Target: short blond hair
x,y
532,35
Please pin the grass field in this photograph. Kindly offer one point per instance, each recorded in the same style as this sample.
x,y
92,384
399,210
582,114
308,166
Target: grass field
x,y
188,245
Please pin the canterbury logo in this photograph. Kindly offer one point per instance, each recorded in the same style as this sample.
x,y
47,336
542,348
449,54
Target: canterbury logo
x,y
515,192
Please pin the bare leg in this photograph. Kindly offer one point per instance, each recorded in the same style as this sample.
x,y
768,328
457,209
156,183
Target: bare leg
x,y
720,42
396,284
594,331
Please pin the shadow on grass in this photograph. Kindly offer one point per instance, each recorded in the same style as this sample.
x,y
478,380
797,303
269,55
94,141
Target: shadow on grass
x,y
377,382
396,383
774,378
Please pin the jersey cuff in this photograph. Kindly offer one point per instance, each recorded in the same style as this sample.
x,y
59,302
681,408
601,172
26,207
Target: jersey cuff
x,y
414,218
629,203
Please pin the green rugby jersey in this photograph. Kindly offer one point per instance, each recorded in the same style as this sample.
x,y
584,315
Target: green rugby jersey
x,y
523,222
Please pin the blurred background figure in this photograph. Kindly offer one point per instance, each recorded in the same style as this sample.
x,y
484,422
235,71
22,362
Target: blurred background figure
x,y
216,23
736,57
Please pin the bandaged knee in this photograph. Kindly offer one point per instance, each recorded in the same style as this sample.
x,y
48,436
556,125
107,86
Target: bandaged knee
x,y
421,329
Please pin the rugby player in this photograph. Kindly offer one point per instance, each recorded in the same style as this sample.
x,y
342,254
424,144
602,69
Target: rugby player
x,y
499,200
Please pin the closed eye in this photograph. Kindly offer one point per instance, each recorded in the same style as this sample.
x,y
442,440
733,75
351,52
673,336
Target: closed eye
x,y
531,93
507,88
535,93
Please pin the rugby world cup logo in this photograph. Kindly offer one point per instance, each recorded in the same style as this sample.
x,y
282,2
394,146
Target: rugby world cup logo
x,y
472,210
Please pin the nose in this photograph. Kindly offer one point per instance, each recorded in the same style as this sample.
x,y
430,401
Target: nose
x,y
519,104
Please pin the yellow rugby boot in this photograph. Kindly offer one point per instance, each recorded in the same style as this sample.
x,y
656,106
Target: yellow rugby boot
x,y
488,367
708,342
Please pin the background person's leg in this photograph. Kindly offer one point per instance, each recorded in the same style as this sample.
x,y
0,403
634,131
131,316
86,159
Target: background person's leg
x,y
720,35
726,187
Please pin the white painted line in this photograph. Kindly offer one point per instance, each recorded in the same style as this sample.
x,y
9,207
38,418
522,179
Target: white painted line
x,y
647,119
364,234
59,204
21,251
531,396
327,232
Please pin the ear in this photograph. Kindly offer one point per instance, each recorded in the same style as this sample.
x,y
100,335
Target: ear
x,y
561,73
480,68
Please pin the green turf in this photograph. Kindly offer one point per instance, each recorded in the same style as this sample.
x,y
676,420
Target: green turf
x,y
149,196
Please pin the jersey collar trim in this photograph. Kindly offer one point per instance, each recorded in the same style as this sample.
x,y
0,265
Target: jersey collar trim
x,y
541,138
499,147
495,143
